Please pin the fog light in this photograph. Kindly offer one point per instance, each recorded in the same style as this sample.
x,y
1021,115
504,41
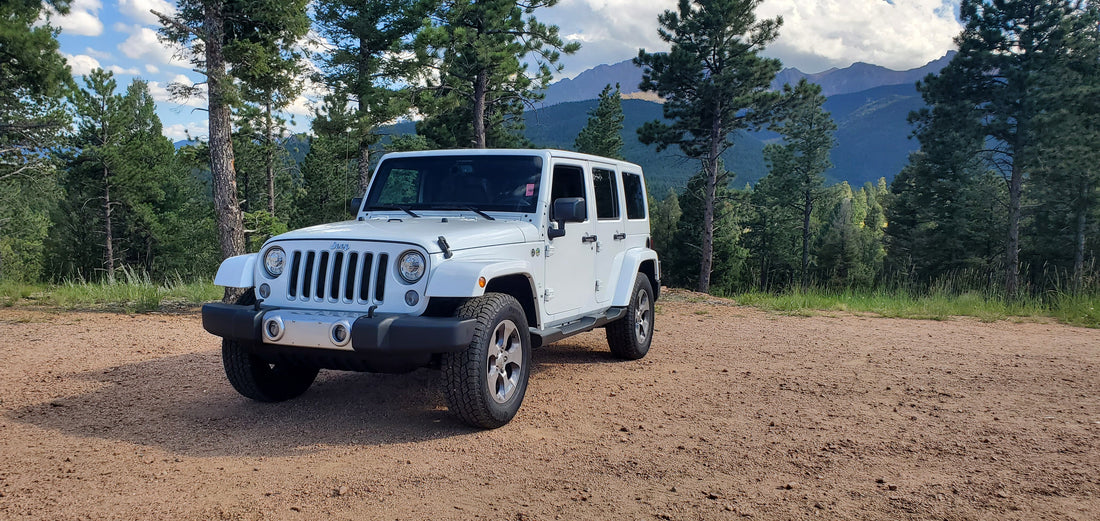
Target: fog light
x,y
340,333
273,329
265,290
412,298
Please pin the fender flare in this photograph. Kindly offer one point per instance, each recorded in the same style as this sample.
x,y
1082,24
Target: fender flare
x,y
632,261
237,272
459,279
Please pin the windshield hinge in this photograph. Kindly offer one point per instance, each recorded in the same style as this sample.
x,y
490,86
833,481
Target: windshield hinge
x,y
442,242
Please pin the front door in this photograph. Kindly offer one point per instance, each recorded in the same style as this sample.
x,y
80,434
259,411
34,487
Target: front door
x,y
570,260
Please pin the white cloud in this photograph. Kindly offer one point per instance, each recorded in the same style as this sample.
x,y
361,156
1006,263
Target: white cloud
x,y
139,9
82,64
122,70
610,31
816,34
151,69
160,93
96,53
179,131
833,33
143,44
83,18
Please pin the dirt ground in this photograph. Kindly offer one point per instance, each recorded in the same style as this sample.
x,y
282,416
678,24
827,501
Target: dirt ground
x,y
735,413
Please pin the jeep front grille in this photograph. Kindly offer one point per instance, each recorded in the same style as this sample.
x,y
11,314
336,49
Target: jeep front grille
x,y
337,276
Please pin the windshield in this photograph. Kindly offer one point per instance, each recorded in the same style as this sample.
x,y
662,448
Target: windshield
x,y
485,183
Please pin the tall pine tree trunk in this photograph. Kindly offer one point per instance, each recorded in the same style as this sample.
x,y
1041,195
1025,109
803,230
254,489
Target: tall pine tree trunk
x,y
364,80
481,91
706,263
807,211
1012,254
1079,236
109,248
364,167
226,208
268,146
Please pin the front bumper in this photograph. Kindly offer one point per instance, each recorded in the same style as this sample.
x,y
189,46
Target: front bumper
x,y
386,335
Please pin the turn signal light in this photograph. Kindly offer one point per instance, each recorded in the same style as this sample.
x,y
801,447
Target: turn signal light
x,y
481,282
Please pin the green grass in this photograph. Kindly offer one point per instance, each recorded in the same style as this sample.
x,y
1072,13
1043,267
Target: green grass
x,y
1078,310
136,293
12,292
130,293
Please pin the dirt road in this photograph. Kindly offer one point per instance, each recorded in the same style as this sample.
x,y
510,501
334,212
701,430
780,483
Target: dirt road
x,y
734,414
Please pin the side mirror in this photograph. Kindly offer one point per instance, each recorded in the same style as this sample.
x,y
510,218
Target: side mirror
x,y
355,205
567,210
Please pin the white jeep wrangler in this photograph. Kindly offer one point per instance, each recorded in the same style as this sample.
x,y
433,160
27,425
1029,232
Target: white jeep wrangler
x,y
457,259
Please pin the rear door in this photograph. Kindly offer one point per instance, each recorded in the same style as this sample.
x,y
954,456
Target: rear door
x,y
610,229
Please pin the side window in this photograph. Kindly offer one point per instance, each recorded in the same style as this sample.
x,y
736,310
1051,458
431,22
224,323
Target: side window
x,y
607,194
635,196
568,182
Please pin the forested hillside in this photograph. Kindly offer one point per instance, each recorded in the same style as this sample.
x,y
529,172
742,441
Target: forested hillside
x,y
982,178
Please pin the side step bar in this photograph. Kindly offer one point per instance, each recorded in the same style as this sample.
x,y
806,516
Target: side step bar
x,y
541,337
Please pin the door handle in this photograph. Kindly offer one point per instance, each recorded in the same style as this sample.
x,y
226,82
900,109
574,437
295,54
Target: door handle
x,y
588,238
620,236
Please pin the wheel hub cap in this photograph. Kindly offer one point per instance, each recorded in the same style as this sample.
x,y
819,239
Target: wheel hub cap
x,y
642,317
505,361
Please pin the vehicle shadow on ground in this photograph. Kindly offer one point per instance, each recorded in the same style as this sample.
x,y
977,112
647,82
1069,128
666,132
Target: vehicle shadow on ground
x,y
184,405
566,352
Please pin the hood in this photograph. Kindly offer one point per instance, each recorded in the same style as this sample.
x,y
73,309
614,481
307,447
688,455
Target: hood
x,y
461,233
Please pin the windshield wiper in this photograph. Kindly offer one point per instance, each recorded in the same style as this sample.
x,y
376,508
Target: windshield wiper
x,y
461,207
393,207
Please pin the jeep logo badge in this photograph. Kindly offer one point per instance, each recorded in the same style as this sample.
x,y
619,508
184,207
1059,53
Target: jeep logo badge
x,y
340,246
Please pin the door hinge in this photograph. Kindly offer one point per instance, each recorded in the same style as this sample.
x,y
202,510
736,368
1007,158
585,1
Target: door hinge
x,y
548,295
597,285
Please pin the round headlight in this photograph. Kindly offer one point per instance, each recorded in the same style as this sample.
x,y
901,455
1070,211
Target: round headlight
x,y
274,261
411,266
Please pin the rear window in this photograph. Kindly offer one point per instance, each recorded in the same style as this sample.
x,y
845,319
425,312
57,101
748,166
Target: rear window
x,y
635,196
607,194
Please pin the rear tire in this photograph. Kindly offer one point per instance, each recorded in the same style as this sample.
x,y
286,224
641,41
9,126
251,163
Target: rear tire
x,y
630,336
260,379
485,383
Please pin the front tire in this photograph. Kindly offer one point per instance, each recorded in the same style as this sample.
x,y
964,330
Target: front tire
x,y
630,336
260,379
485,383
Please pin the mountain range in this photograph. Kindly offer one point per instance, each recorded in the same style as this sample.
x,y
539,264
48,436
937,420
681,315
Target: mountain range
x,y
857,77
869,103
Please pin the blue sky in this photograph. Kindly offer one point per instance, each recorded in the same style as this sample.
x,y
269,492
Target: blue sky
x,y
817,34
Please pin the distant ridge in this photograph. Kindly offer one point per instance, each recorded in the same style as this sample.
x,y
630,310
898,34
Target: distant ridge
x,y
861,76
854,78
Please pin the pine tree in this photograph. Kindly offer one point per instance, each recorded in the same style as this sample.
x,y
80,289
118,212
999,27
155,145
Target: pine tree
x,y
685,248
116,170
772,237
483,82
664,218
369,63
602,135
33,82
329,173
997,85
714,83
799,163
219,33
